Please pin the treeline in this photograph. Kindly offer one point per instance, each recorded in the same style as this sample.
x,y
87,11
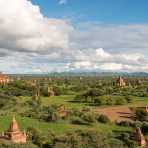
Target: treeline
x,y
76,85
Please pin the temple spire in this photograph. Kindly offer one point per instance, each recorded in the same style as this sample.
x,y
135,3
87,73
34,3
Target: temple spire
x,y
13,125
14,134
120,82
140,137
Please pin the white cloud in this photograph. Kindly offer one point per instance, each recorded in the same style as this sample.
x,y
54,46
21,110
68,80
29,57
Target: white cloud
x,y
99,59
62,2
23,27
34,43
102,54
81,64
116,38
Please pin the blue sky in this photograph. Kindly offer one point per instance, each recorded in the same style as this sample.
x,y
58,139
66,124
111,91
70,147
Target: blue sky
x,y
40,36
104,11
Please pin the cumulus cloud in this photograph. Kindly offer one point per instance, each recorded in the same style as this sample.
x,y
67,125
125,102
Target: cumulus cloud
x,y
116,38
99,59
23,27
32,42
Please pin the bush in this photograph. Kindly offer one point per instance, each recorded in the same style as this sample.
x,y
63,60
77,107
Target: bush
x,y
141,115
75,112
87,139
86,109
120,101
125,123
78,120
98,101
49,114
110,101
88,117
145,127
128,99
137,123
103,119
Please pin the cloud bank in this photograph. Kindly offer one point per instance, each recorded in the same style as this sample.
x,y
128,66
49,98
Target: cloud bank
x,y
33,43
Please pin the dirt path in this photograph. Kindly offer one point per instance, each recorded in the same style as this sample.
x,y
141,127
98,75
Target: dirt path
x,y
117,113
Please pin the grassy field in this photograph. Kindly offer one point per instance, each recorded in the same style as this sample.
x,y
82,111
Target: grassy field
x,y
67,101
140,101
62,126
59,127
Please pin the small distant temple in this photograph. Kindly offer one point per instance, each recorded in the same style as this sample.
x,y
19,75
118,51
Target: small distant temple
x,y
14,134
120,82
146,109
50,92
4,79
139,137
62,111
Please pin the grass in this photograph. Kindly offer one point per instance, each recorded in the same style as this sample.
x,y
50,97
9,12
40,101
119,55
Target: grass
x,y
65,99
59,127
140,101
62,126
26,122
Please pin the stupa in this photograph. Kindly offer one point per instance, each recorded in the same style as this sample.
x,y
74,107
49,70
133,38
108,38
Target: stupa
x,y
14,134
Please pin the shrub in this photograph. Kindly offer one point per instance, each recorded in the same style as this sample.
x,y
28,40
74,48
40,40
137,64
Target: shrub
x,y
88,117
78,120
120,101
110,101
86,109
103,119
98,101
145,127
75,112
137,123
125,123
87,139
141,115
128,99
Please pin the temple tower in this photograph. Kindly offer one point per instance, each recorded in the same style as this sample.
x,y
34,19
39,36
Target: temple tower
x,y
50,92
120,82
139,137
4,79
14,134
146,109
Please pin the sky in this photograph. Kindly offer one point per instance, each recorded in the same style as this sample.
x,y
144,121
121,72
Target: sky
x,y
42,36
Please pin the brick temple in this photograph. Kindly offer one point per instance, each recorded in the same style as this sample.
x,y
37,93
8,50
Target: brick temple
x,y
50,92
14,134
62,111
139,137
4,79
146,109
120,82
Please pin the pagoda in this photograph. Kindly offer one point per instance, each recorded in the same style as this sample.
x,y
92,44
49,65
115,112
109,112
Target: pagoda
x,y
62,111
139,137
120,82
14,134
4,79
50,92
146,109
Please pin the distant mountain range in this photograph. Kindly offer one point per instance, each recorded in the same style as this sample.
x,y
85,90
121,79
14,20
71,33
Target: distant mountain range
x,y
74,73
141,74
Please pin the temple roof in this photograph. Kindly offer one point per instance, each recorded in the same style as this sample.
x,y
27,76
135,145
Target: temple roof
x,y
139,134
13,125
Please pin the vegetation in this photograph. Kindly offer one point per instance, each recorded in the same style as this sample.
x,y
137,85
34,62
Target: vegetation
x,y
49,126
